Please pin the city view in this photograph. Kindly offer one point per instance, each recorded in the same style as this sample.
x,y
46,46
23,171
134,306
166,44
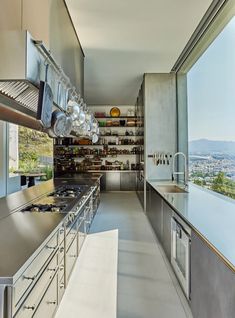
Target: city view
x,y
212,165
211,113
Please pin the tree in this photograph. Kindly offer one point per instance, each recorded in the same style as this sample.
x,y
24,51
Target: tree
x,y
199,182
219,183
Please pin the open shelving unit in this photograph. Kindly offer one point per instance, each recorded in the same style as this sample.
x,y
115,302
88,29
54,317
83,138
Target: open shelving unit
x,y
114,155
116,149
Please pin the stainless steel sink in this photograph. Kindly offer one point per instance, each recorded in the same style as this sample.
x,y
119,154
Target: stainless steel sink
x,y
171,189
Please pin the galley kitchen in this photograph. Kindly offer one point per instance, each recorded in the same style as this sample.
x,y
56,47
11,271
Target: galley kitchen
x,y
117,185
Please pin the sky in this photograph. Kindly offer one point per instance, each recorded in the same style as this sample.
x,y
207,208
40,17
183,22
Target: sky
x,y
211,90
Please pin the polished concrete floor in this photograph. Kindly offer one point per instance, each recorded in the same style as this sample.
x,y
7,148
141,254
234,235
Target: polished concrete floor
x,y
122,271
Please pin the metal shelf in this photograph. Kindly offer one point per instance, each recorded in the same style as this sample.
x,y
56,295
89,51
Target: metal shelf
x,y
113,126
112,170
101,156
96,145
121,135
119,117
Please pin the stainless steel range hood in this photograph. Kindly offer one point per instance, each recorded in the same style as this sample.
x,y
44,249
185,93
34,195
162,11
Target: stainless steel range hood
x,y
22,65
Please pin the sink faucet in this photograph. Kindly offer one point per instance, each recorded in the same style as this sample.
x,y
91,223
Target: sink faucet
x,y
185,172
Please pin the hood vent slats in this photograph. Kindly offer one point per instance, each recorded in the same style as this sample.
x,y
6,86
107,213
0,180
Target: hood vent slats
x,y
22,92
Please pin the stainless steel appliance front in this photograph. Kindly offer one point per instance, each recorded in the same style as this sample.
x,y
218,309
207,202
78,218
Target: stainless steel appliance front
x,y
180,252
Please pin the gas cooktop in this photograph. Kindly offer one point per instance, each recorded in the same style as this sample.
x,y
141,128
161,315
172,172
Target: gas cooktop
x,y
37,207
58,200
69,191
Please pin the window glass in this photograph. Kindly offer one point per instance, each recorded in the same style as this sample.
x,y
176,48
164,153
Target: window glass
x,y
211,113
13,148
30,151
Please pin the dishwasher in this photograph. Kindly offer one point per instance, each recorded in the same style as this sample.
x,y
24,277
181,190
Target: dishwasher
x,y
180,252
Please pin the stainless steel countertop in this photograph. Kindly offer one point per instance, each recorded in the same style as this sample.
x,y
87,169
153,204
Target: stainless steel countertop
x,y
22,234
210,215
82,178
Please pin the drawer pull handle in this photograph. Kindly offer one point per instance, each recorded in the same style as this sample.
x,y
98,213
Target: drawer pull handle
x,y
61,286
61,249
29,307
61,267
30,278
51,302
51,247
52,269
74,255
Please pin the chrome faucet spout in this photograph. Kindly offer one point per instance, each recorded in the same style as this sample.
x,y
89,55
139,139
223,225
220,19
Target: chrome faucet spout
x,y
185,172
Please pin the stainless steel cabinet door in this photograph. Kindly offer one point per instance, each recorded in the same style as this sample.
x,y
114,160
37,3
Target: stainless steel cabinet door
x,y
212,283
154,212
128,181
81,234
113,181
166,234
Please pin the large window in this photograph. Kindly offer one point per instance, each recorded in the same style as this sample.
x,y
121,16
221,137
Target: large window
x,y
211,115
30,151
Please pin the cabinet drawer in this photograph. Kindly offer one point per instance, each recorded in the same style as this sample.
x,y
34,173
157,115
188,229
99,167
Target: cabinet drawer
x,y
71,257
61,289
61,235
49,301
81,234
61,253
71,235
61,270
29,306
32,273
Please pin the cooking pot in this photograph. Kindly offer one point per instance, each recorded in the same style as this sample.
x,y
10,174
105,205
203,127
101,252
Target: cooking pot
x,y
58,124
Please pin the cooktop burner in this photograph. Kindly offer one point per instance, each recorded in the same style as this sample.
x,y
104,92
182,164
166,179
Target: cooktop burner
x,y
73,191
44,208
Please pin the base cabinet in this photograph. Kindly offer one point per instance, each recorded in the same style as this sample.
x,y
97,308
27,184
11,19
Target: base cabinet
x,y
159,214
212,283
49,301
118,181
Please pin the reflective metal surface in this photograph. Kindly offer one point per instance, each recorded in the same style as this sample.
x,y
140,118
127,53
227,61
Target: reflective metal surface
x,y
171,189
206,212
21,235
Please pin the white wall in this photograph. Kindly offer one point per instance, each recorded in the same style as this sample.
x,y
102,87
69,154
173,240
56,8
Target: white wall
x,y
8,184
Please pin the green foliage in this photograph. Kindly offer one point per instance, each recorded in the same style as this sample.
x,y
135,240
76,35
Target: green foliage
x,y
223,185
28,165
48,170
32,145
219,183
199,182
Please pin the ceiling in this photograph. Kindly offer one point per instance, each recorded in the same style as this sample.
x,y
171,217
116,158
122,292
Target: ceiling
x,y
124,39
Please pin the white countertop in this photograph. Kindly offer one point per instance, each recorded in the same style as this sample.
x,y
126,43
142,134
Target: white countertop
x,y
211,215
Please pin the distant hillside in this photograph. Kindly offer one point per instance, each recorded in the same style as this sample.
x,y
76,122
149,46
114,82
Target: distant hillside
x,y
205,146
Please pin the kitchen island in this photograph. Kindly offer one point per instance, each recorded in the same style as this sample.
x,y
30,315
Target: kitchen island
x,y
42,230
211,219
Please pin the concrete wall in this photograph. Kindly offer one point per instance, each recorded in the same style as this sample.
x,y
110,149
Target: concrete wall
x,y
160,122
